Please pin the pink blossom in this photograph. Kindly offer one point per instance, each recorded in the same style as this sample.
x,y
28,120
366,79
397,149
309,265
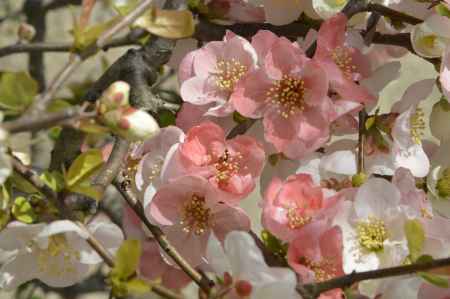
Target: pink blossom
x,y
343,63
290,206
231,166
209,74
290,92
152,265
316,255
189,209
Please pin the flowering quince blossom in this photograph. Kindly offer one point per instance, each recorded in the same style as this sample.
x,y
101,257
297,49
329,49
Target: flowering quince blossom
x,y
342,63
291,205
152,155
290,92
189,209
316,255
231,166
407,132
430,38
210,74
372,228
241,266
152,265
56,253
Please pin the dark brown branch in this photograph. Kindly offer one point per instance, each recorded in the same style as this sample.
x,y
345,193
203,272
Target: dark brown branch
x,y
315,289
393,14
159,236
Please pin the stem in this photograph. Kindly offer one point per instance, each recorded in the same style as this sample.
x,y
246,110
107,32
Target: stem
x,y
45,99
159,236
46,121
33,178
315,289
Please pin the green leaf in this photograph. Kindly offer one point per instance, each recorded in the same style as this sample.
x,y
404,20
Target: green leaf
x,y
17,91
137,286
437,280
127,259
54,179
275,245
415,236
442,10
370,122
83,37
5,215
85,187
167,23
425,258
83,166
166,118
23,211
22,184
58,105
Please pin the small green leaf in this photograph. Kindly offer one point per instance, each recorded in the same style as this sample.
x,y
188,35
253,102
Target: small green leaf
x,y
437,280
166,118
370,122
83,166
442,10
58,105
137,286
5,215
127,259
124,7
22,184
416,238
17,91
54,180
424,258
23,211
85,187
87,35
275,245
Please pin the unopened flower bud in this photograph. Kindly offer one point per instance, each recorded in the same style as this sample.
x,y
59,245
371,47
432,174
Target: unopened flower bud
x,y
131,123
26,32
359,179
115,96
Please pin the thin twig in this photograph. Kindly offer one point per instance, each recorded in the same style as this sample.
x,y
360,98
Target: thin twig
x,y
55,198
35,123
315,289
159,236
45,99
112,167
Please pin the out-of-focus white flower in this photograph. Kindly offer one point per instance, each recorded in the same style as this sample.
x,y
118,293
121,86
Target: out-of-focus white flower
x,y
327,8
438,180
56,253
430,38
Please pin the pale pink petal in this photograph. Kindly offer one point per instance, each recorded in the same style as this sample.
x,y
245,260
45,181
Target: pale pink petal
x,y
230,219
281,12
445,73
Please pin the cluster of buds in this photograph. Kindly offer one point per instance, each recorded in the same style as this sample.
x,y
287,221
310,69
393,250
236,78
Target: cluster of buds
x,y
114,111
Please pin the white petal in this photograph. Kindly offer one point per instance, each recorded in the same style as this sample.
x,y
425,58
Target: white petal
x,y
342,162
376,197
216,256
416,92
381,77
17,271
413,158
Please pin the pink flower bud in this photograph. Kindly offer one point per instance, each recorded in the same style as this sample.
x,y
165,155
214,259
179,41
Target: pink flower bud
x,y
26,32
115,96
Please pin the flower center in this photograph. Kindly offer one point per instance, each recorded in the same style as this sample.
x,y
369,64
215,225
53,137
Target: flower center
x,y
341,56
226,166
288,95
48,259
295,219
323,269
229,72
196,216
443,184
428,41
417,124
371,234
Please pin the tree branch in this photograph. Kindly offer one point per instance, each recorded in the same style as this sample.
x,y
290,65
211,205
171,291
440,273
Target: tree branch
x,y
46,121
315,289
45,99
159,236
57,200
